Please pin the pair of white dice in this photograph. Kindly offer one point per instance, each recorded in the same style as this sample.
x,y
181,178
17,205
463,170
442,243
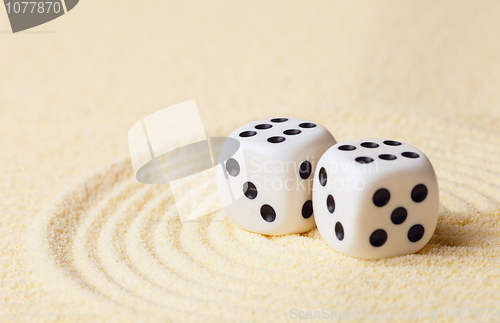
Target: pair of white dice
x,y
372,198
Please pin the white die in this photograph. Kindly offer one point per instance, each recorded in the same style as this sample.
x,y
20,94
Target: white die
x,y
266,186
375,198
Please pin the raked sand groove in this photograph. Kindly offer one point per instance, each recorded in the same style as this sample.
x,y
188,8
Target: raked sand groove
x,y
121,241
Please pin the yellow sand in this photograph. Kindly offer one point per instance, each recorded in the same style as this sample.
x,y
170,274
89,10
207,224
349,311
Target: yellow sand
x,y
82,240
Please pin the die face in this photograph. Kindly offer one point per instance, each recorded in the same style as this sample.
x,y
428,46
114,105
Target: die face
x,y
383,210
277,180
271,197
371,159
283,137
396,227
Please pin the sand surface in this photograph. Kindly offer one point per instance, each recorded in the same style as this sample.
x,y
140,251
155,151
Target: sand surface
x,y
82,240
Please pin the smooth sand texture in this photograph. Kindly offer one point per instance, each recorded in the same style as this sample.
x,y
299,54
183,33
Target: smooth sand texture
x,y
82,240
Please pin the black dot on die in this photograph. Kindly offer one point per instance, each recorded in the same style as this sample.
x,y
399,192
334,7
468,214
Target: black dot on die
x,y
392,143
267,212
364,160
330,204
307,209
307,125
387,157
305,169
419,193
232,167
263,126
250,190
409,154
292,132
381,197
369,144
416,233
378,238
339,231
322,176
399,215
276,139
279,120
347,147
249,133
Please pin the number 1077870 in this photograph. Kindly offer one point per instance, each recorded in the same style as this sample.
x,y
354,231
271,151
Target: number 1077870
x,y
33,7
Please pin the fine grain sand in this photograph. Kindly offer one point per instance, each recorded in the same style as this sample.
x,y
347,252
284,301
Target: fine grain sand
x,y
82,240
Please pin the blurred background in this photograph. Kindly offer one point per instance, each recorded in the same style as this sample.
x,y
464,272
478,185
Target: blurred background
x,y
106,64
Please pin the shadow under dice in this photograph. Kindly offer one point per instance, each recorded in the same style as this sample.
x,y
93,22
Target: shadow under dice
x,y
375,198
266,187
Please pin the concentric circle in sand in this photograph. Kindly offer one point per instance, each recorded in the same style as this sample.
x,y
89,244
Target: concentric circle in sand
x,y
122,241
